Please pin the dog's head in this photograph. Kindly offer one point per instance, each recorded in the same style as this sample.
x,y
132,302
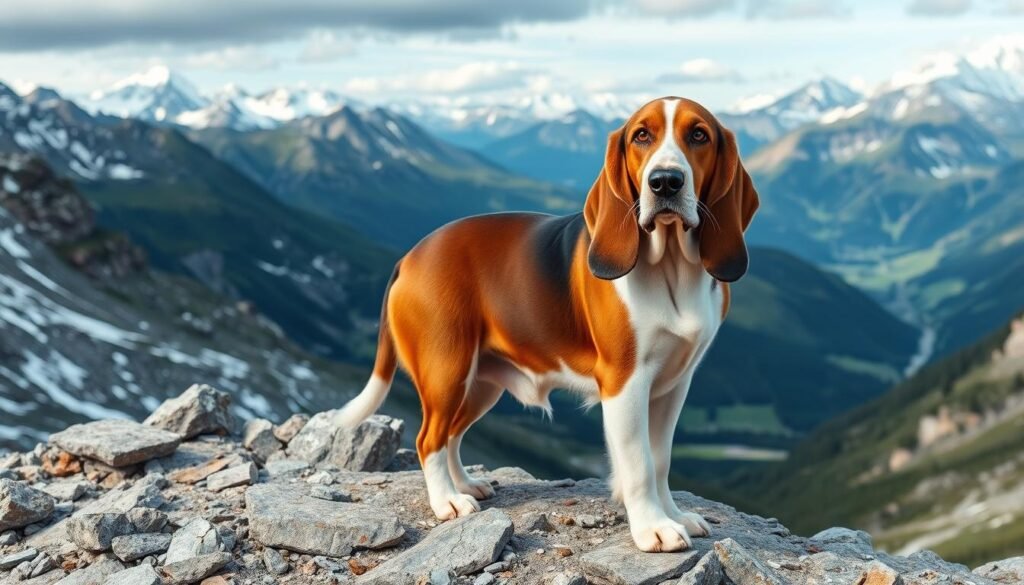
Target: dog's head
x,y
672,161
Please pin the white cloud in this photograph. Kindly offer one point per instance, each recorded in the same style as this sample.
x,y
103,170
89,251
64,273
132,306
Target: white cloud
x,y
466,78
243,58
324,46
797,9
702,71
939,7
682,8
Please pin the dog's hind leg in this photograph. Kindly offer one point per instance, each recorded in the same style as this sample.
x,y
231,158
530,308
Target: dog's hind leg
x,y
481,398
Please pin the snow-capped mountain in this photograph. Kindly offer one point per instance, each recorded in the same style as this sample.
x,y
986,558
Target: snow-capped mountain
x,y
163,96
473,125
155,95
760,121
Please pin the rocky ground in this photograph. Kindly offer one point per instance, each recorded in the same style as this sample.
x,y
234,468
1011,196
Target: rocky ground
x,y
192,496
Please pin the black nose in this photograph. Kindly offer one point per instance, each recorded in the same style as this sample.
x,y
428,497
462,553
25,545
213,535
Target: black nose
x,y
666,183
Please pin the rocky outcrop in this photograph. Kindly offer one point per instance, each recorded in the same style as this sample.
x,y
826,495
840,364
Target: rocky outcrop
x,y
228,510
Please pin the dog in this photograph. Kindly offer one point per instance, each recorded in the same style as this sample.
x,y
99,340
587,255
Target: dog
x,y
619,303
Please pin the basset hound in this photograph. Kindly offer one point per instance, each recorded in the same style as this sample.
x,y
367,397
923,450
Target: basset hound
x,y
618,303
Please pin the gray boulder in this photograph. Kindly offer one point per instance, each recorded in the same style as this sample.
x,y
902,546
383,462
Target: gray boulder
x,y
370,446
135,546
245,474
281,517
741,566
312,443
14,559
274,562
707,571
287,430
463,546
258,437
147,519
194,539
117,443
195,569
95,574
96,532
199,410
1009,571
140,575
620,563
21,505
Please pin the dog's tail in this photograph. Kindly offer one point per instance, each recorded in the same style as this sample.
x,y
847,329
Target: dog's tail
x,y
376,390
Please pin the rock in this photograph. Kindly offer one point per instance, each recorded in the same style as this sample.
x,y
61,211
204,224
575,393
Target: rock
x,y
620,563
707,571
404,460
96,532
331,494
312,443
287,430
370,446
441,577
14,559
95,574
68,491
245,474
194,539
835,535
484,579
570,579
258,437
198,473
61,464
274,562
199,410
878,573
282,518
20,505
1009,571
8,538
741,566
43,563
195,569
536,521
464,545
285,467
147,519
140,575
116,442
135,546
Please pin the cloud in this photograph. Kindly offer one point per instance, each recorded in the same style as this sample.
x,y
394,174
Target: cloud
x,y
797,9
1010,7
682,8
323,46
60,24
938,7
702,71
467,78
242,58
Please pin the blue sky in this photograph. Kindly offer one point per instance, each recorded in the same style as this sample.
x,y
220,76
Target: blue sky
x,y
386,50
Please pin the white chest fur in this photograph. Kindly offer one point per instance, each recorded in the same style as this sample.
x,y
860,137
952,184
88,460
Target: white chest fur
x,y
675,307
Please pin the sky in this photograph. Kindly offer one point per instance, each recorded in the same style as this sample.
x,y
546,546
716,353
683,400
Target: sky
x,y
716,51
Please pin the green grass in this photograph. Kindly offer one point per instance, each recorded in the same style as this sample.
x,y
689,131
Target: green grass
x,y
727,452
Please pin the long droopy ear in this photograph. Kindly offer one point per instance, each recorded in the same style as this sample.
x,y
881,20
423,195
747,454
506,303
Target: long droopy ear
x,y
731,200
611,221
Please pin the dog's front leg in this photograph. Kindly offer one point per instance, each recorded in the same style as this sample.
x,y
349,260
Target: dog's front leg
x,y
626,431
664,417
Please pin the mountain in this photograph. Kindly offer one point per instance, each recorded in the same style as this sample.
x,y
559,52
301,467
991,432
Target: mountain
x,y
568,150
90,331
162,96
379,173
196,215
936,463
475,125
761,123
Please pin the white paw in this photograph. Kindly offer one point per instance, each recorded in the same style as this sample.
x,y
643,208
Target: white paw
x,y
478,488
695,524
455,506
661,536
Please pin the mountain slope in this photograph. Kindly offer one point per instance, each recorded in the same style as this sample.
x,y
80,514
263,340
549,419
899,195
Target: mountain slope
x,y
568,150
377,172
117,342
937,462
195,214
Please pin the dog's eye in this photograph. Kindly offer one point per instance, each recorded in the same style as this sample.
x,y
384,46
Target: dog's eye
x,y
642,137
698,136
